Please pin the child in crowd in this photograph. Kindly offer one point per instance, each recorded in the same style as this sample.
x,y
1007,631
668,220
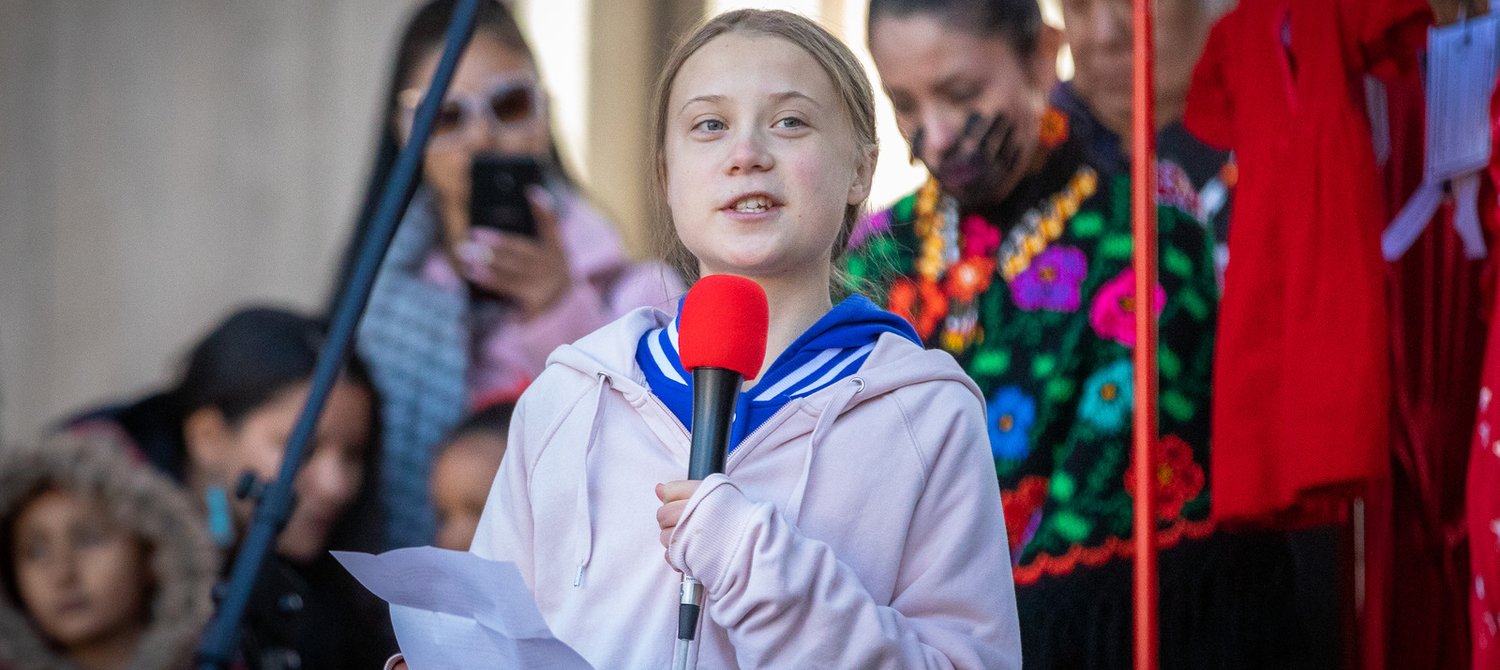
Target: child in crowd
x,y
858,522
464,471
103,561
231,413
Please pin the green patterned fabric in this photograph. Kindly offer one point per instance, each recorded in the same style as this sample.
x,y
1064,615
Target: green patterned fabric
x,y
1051,350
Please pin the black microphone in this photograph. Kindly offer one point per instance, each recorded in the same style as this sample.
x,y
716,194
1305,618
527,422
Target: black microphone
x,y
721,336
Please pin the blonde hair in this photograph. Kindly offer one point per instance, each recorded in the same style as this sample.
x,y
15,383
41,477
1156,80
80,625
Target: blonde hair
x,y
836,60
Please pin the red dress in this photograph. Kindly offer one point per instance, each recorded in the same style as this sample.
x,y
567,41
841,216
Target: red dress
x,y
1416,563
1301,372
1483,496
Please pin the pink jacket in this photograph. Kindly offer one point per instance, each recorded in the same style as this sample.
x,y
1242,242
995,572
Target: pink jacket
x,y
859,527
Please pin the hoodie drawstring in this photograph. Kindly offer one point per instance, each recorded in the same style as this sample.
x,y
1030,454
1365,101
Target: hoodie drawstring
x,y
831,411
585,534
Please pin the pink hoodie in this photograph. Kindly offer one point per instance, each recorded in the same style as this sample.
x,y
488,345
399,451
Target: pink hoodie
x,y
859,527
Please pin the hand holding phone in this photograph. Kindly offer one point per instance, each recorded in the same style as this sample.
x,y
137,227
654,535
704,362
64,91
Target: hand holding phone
x,y
530,271
497,194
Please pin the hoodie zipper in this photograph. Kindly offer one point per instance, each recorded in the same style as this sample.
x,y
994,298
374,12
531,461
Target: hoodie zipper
x,y
758,435
754,437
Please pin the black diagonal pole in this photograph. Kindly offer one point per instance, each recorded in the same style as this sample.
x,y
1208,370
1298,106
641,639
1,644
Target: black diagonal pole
x,y
216,649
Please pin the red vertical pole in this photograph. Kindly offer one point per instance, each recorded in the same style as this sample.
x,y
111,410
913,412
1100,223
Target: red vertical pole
x,y
1143,224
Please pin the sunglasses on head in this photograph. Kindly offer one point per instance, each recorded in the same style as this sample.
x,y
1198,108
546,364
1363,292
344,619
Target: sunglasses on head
x,y
507,103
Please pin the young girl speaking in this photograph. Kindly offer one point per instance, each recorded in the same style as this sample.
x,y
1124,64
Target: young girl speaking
x,y
858,523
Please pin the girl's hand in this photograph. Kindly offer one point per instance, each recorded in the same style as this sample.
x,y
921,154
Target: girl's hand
x,y
674,497
531,272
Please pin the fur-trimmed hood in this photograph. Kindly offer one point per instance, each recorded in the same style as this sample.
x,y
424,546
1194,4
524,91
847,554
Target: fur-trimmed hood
x,y
145,501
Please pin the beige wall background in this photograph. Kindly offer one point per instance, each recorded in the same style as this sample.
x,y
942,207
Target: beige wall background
x,y
165,161
162,161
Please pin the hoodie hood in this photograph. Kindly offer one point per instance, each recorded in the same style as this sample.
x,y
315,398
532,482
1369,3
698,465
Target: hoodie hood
x,y
182,558
830,350
894,362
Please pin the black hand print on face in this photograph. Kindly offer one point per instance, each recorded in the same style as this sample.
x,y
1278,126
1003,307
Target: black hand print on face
x,y
986,152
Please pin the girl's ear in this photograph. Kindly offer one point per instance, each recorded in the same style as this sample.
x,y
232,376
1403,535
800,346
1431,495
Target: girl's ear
x,y
209,439
864,174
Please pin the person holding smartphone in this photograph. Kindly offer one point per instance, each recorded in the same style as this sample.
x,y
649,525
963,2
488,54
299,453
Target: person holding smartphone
x,y
499,260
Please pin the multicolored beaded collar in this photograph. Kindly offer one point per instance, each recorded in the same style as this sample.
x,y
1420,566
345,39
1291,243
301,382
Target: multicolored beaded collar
x,y
937,227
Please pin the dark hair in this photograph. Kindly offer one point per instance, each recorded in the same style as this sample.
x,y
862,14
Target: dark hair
x,y
424,32
249,359
1018,22
252,357
493,419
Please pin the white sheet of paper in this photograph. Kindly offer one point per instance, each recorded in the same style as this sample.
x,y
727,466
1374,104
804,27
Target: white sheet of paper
x,y
1461,66
452,609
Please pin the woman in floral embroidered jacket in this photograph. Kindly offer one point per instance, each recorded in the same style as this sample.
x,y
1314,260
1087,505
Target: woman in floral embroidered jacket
x,y
1016,258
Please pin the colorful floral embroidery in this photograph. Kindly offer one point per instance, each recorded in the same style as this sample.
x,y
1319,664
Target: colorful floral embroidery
x,y
1045,340
1178,478
969,278
1112,548
1023,510
1107,396
1040,226
964,282
1174,187
938,229
1071,526
1011,413
920,302
1054,130
1230,174
1052,282
1113,312
980,237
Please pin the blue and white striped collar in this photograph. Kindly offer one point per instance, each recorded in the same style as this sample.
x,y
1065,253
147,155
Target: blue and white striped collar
x,y
832,349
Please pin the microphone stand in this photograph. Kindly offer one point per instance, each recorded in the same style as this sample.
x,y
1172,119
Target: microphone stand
x,y
216,649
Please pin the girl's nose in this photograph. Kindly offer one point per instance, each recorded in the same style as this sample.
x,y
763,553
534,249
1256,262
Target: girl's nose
x,y
750,154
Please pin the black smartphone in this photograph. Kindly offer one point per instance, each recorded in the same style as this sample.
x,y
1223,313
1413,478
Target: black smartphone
x,y
497,198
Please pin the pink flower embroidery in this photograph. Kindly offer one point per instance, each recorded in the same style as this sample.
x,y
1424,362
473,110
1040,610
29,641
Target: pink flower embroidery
x,y
980,238
1113,312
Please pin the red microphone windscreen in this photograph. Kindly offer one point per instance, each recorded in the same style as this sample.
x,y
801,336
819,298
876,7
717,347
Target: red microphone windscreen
x,y
723,325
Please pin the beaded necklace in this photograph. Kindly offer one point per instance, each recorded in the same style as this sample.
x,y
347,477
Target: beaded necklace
x,y
937,230
937,227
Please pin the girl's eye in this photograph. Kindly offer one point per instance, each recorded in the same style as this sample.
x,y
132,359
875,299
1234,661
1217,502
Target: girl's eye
x,y
710,125
790,122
